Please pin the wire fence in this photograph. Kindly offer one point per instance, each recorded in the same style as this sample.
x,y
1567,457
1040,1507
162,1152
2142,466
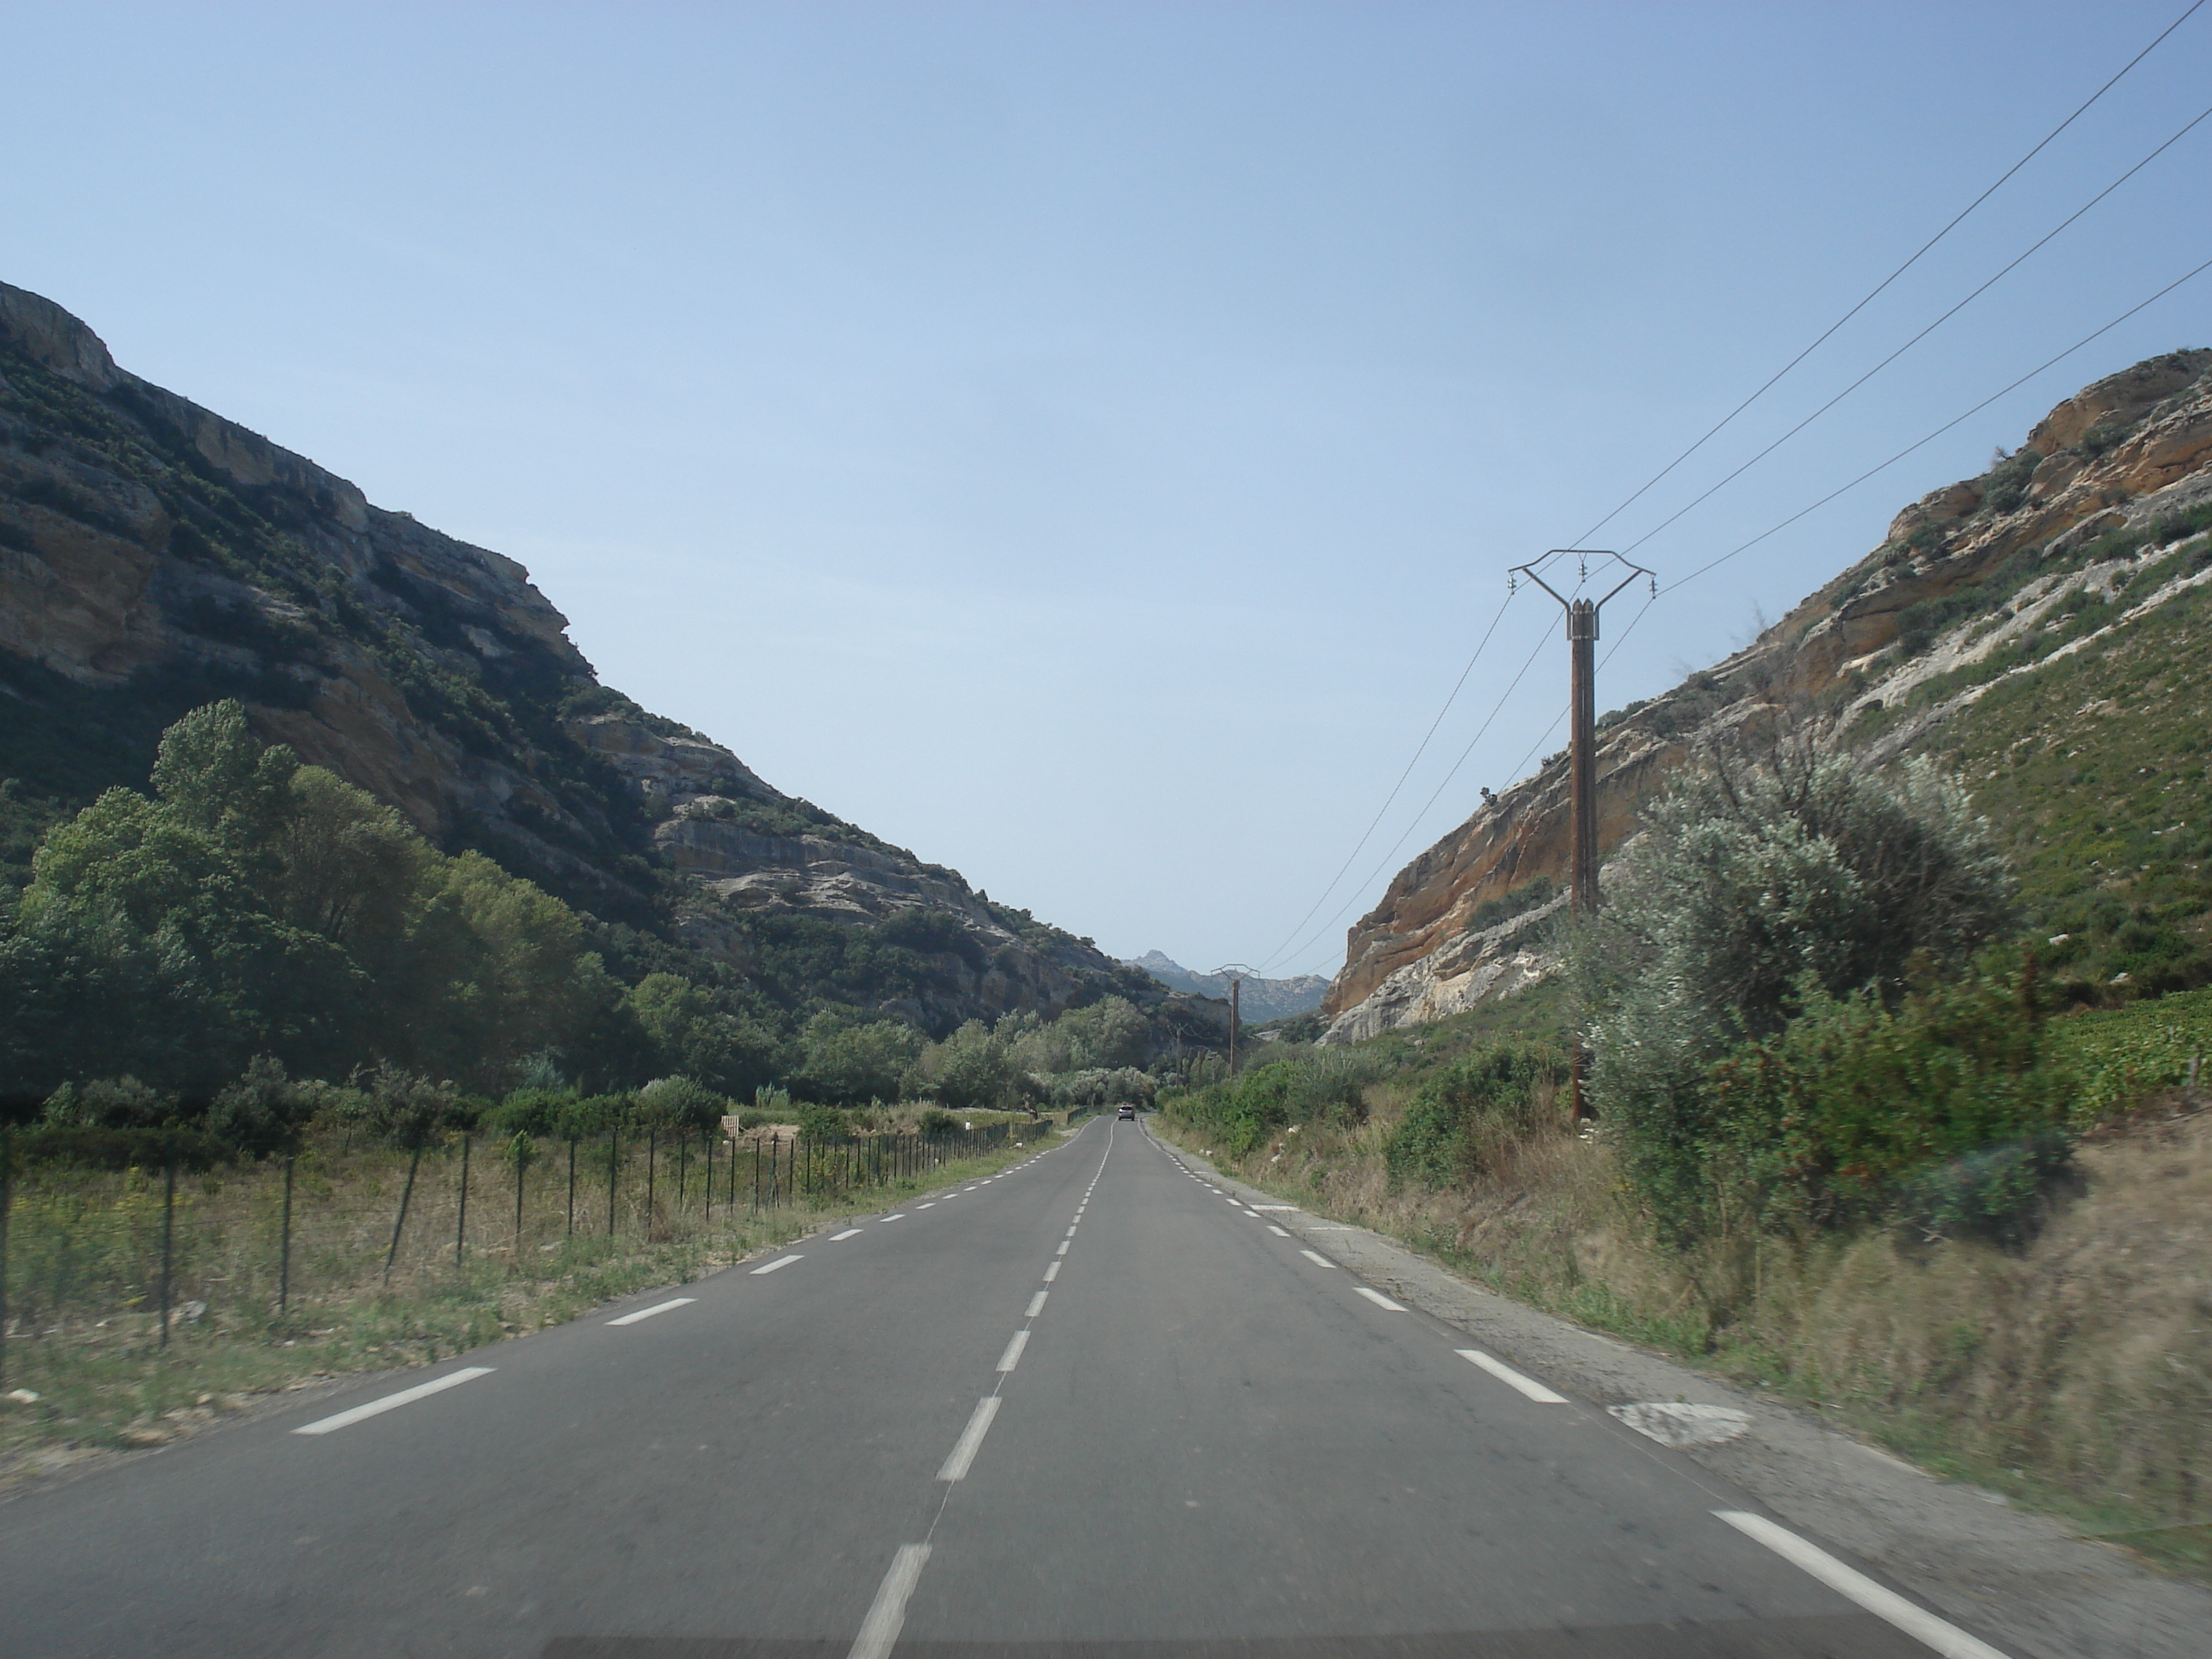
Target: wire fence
x,y
173,1245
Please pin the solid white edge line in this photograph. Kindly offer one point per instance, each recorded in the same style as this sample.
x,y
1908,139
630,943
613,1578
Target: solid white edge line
x,y
657,1308
1505,1374
1380,1300
1317,1258
1915,1620
780,1261
420,1390
879,1631
971,1439
1036,1305
1012,1356
850,1232
1052,1273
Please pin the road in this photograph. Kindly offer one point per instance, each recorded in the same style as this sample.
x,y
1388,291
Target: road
x,y
1092,1407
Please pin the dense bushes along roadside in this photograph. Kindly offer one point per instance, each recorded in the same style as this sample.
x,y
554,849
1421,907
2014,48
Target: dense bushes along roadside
x,y
249,910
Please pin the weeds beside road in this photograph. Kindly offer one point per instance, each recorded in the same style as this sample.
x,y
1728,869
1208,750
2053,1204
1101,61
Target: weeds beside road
x,y
2074,1373
83,1259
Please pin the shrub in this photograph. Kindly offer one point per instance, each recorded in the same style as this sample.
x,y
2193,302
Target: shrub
x,y
678,1103
1751,894
1943,1112
819,1122
1460,1115
938,1121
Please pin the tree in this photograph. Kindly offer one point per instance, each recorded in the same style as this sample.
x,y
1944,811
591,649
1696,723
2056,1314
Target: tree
x,y
1750,890
849,1061
969,1069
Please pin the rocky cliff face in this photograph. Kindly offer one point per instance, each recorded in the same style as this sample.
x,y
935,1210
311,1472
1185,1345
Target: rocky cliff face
x,y
153,556
1880,659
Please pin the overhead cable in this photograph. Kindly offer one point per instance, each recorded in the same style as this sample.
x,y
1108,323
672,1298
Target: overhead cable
x,y
1923,334
1872,293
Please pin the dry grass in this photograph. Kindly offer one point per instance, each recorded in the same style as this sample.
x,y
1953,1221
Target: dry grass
x,y
2075,1375
84,1254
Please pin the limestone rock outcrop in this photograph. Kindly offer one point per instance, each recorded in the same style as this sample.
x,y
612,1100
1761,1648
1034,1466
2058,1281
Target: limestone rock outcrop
x,y
153,556
2127,451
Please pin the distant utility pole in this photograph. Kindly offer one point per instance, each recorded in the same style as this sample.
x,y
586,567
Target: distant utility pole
x,y
1238,973
1581,739
1582,708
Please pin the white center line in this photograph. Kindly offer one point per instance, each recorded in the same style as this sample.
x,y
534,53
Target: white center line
x,y
1051,1273
657,1308
850,1232
1278,1231
971,1438
1012,1356
420,1390
1505,1373
780,1261
1070,1232
1914,1621
1036,1305
879,1631
1318,1261
1062,1250
1379,1299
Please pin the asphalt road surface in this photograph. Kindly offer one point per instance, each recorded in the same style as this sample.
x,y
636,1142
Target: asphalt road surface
x,y
1092,1407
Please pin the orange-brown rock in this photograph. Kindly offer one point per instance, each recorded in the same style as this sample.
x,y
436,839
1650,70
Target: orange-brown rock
x,y
2129,448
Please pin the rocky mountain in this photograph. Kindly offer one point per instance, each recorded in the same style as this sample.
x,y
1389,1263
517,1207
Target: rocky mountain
x,y
1261,999
155,556
2042,628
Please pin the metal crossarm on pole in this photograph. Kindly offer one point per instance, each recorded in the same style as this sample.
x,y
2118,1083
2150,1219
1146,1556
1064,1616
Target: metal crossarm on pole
x,y
1582,615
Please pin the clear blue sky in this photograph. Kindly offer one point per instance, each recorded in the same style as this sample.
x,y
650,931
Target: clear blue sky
x,y
1082,442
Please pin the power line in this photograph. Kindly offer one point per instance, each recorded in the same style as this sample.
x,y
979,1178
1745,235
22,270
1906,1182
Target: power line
x,y
1621,639
1452,697
1313,939
1872,293
2050,363
1922,335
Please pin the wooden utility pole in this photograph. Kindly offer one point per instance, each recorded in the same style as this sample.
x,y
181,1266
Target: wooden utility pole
x,y
1238,973
1582,615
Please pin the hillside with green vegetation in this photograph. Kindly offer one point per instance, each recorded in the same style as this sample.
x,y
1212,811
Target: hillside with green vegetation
x,y
545,869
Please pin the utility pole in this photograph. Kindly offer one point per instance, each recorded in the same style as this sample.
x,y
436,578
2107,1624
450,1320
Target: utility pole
x,y
1238,973
1582,616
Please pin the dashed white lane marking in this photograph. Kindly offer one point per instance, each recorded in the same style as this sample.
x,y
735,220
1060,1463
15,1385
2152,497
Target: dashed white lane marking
x,y
1319,1261
901,1216
406,1396
657,1308
780,1261
972,1438
1051,1273
1505,1373
1915,1622
850,1232
1036,1305
1278,1231
1380,1300
879,1631
1062,1250
1012,1356
930,1206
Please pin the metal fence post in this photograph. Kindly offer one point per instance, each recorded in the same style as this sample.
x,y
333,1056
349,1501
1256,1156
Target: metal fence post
x,y
461,1225
572,1186
168,1231
7,1195
652,1146
709,1136
285,1245
614,1140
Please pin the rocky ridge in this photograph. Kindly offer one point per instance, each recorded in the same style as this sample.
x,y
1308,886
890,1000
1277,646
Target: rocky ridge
x,y
1964,575
153,556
